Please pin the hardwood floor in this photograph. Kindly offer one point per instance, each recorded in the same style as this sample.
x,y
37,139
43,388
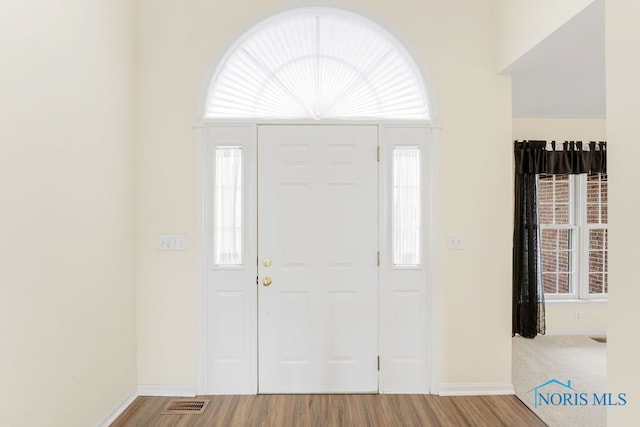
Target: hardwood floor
x,y
336,410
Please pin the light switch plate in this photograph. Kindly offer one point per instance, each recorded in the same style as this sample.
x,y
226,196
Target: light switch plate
x,y
456,243
172,242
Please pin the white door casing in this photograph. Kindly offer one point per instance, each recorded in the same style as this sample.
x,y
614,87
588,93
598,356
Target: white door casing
x,y
317,251
228,296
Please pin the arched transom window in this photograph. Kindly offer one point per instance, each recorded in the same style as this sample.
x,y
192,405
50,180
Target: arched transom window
x,y
317,63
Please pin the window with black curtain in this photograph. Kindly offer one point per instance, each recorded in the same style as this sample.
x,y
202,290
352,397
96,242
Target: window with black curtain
x,y
534,159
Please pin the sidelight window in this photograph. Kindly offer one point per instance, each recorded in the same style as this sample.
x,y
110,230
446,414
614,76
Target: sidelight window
x,y
228,206
406,207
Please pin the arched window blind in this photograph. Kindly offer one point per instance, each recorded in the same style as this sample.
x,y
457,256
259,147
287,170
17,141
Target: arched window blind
x,y
317,63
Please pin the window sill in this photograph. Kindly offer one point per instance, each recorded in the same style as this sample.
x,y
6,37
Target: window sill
x,y
574,301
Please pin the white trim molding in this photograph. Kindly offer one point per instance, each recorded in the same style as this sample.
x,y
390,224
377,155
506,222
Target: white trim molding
x,y
434,254
118,409
475,389
167,390
571,331
156,390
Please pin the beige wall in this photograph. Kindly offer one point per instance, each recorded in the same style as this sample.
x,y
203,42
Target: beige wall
x,y
560,129
67,323
576,318
567,317
623,105
457,41
527,22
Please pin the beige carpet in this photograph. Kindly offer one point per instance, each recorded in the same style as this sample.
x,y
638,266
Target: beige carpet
x,y
578,359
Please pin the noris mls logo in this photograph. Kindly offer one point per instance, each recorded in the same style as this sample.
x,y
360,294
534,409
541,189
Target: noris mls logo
x,y
557,393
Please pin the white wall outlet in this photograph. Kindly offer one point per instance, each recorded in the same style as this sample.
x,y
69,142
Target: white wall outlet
x,y
172,242
456,243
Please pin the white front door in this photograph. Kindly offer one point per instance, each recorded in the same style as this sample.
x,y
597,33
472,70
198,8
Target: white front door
x,y
317,259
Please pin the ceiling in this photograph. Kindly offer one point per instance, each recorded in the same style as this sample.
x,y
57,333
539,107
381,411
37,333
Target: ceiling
x,y
563,76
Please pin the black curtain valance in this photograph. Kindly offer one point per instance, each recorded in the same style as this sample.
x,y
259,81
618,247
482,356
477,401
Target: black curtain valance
x,y
532,157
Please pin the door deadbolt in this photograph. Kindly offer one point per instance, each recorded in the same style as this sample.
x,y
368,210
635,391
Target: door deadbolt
x,y
266,281
267,262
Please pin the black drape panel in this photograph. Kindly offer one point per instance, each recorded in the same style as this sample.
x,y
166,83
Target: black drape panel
x,y
531,159
528,296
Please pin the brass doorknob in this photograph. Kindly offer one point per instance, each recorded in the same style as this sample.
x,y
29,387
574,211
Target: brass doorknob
x,y
266,281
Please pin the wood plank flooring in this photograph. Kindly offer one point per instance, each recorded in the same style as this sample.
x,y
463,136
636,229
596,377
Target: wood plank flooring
x,y
336,410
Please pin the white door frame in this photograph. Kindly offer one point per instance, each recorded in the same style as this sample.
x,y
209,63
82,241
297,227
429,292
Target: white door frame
x,y
430,246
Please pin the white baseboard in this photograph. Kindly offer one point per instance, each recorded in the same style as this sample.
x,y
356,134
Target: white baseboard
x,y
475,389
166,390
146,390
595,332
118,409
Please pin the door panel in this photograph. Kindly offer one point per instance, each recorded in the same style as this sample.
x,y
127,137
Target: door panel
x,y
318,226
228,300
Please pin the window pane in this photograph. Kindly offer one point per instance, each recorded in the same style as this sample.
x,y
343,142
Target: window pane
x,y
545,199
557,259
550,283
598,283
228,206
554,200
597,239
406,209
318,63
598,261
597,198
564,283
